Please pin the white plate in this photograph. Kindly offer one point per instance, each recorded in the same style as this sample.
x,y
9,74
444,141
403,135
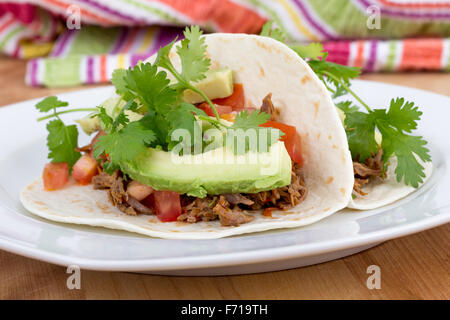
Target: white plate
x,y
23,154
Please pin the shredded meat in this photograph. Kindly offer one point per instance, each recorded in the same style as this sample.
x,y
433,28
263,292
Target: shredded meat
x,y
200,209
230,217
117,195
283,198
231,209
268,107
366,172
237,198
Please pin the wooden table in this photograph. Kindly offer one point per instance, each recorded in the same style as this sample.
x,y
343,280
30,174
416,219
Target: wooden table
x,y
413,267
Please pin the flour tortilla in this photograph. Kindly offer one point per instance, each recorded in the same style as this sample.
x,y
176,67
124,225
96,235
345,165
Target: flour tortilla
x,y
263,66
386,191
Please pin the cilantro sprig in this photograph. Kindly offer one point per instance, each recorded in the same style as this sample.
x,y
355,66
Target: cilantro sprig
x,y
194,63
162,100
124,140
395,124
61,139
147,90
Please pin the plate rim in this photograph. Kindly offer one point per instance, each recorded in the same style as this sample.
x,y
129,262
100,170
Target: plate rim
x,y
229,259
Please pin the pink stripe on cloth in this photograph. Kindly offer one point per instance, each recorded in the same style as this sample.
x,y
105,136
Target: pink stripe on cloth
x,y
370,66
90,70
62,43
405,14
33,71
338,51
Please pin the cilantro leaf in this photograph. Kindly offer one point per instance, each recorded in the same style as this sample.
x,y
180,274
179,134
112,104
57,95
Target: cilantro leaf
x,y
394,125
360,128
105,119
243,124
122,118
126,144
50,103
118,80
183,118
313,50
245,120
274,33
62,141
347,106
339,72
403,115
150,87
405,147
192,53
160,126
163,59
194,63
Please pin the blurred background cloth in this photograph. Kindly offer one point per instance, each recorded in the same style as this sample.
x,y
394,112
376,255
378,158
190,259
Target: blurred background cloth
x,y
413,34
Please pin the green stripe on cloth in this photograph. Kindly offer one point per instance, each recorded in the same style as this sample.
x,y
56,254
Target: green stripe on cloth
x,y
91,40
163,15
62,72
10,35
273,15
350,21
390,61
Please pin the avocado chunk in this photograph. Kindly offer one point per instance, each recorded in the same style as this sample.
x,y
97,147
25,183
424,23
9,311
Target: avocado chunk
x,y
217,84
213,172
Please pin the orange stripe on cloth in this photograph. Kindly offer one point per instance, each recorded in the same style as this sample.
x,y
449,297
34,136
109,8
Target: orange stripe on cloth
x,y
228,16
103,75
359,60
416,4
82,12
421,54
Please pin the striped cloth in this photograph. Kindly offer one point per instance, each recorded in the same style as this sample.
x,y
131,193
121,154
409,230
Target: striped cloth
x,y
413,34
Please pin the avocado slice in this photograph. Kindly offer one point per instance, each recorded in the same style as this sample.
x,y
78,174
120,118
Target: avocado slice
x,y
217,84
214,172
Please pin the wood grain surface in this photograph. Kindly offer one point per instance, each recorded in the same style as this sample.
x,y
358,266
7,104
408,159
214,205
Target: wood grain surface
x,y
412,267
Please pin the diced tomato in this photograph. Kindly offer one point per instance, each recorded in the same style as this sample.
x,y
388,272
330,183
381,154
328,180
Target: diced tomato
x,y
291,138
84,169
55,175
237,99
294,148
167,205
209,111
138,190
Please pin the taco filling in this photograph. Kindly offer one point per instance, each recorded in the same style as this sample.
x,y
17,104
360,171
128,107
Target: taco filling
x,y
133,197
212,136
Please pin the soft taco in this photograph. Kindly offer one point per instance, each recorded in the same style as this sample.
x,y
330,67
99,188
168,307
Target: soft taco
x,y
132,176
389,161
378,179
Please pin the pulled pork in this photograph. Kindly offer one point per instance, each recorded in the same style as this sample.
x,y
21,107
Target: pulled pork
x,y
117,194
268,107
365,172
232,209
